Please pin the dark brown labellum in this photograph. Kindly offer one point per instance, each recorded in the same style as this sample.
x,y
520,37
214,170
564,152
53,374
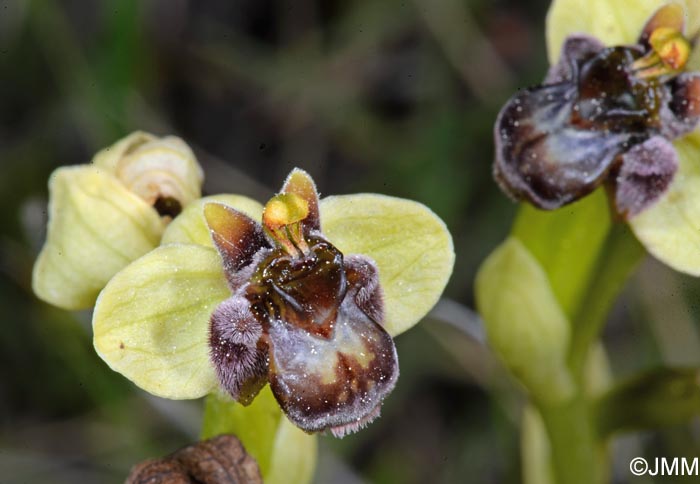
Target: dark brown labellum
x,y
302,316
559,141
340,379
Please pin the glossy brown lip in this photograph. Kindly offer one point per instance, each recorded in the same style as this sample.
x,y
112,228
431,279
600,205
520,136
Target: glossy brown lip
x,y
305,292
358,370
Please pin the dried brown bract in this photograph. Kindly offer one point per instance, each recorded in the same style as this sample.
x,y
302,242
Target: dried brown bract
x,y
220,460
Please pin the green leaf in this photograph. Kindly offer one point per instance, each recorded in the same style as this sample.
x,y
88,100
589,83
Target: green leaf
x,y
670,229
284,452
409,243
657,398
613,22
151,321
190,227
524,323
96,227
587,260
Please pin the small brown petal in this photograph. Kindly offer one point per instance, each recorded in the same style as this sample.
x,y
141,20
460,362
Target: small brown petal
x,y
576,50
220,460
645,174
238,354
362,272
236,236
680,114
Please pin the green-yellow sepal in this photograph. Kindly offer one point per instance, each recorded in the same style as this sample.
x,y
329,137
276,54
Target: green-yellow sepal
x,y
96,227
151,321
409,243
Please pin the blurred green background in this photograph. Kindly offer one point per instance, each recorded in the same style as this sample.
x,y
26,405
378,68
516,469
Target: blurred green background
x,y
390,96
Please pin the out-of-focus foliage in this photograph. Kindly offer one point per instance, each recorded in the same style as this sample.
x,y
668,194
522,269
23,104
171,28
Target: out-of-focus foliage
x,y
389,96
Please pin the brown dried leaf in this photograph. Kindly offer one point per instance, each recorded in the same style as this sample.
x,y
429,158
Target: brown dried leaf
x,y
221,459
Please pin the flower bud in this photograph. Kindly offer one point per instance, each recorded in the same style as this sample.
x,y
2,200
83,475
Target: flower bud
x,y
525,325
161,171
105,215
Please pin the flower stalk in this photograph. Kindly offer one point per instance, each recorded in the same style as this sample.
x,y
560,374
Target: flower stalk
x,y
577,455
619,257
603,260
283,452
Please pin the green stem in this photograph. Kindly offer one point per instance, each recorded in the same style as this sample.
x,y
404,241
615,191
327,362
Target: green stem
x,y
577,452
284,452
587,257
255,425
618,257
577,455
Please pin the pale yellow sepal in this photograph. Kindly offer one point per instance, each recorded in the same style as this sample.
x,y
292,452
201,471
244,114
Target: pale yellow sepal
x,y
524,323
670,228
409,243
694,61
96,227
190,227
151,321
613,22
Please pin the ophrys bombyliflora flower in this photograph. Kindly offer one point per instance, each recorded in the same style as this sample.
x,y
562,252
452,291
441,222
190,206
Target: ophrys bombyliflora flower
x,y
307,301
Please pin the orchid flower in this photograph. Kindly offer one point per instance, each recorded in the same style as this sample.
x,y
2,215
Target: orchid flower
x,y
303,294
619,108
